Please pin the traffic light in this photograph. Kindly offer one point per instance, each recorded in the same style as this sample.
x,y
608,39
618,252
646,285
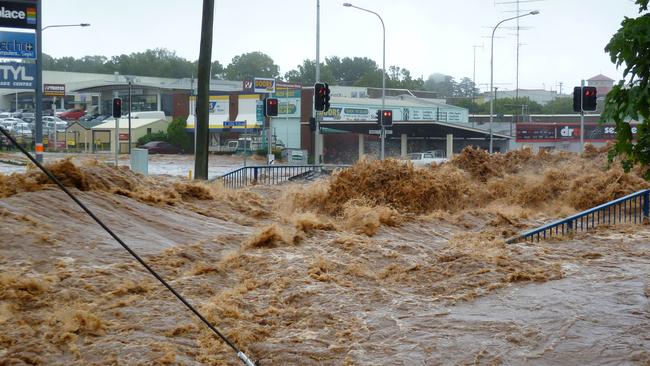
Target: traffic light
x,y
378,117
270,107
584,98
117,107
589,96
321,97
388,117
312,124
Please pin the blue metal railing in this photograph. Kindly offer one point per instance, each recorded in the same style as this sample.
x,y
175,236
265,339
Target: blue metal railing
x,y
633,208
270,174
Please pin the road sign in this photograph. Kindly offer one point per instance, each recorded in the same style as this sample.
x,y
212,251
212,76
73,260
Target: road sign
x,y
378,132
18,45
234,123
14,14
16,75
259,112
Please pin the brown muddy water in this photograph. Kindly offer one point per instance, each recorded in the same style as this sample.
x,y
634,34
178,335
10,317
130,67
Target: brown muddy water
x,y
382,264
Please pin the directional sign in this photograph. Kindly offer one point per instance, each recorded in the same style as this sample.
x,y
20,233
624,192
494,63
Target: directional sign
x,y
378,132
17,45
14,14
16,75
234,123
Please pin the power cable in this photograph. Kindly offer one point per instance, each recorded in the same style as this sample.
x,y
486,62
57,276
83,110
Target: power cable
x,y
240,354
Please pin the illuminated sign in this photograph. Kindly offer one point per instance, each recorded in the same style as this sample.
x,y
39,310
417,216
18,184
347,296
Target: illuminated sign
x,y
17,45
54,90
17,15
264,85
15,75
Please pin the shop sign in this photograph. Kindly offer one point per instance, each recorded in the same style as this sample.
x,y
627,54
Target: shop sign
x,y
17,45
54,90
264,85
15,14
16,75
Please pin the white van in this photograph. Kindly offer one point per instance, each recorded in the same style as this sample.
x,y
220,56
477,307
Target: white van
x,y
149,114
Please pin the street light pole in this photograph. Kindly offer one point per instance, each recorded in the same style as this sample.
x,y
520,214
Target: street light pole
x,y
534,12
383,77
38,92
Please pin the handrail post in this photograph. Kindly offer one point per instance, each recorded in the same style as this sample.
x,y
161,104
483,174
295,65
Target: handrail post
x,y
646,205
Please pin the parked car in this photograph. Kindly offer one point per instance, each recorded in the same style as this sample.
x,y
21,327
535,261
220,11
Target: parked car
x,y
8,126
52,119
23,129
72,114
161,147
440,156
28,117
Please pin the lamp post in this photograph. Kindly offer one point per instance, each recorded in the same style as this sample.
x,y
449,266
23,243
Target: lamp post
x,y
383,77
534,12
38,115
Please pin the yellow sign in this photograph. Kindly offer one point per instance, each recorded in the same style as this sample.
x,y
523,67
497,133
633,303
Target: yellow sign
x,y
72,142
264,85
46,141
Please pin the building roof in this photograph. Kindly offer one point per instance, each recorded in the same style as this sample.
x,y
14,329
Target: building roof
x,y
600,77
109,123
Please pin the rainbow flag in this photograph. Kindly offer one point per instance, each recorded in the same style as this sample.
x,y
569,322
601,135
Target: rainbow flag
x,y
31,15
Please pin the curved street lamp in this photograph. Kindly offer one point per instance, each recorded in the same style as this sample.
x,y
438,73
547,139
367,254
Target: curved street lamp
x,y
383,76
534,12
66,25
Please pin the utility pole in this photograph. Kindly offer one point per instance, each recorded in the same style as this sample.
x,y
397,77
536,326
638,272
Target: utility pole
x,y
203,95
317,139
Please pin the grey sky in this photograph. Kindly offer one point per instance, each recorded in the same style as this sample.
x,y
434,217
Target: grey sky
x,y
564,43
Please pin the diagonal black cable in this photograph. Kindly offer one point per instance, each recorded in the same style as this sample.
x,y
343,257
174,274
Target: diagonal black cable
x,y
240,354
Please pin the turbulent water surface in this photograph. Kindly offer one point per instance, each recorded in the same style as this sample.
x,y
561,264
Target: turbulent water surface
x,y
336,272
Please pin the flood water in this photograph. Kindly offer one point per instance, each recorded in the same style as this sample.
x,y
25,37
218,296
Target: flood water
x,y
335,272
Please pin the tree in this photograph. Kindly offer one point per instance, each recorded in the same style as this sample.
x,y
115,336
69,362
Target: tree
x,y
561,105
177,135
444,85
630,98
250,65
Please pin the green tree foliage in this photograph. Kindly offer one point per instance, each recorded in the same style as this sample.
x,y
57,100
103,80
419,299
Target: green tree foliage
x,y
630,98
561,105
177,135
156,136
156,62
250,65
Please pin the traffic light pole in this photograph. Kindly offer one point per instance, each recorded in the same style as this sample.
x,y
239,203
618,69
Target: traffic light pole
x,y
117,140
317,142
582,117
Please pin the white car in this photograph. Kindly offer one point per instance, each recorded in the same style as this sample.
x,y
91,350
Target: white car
x,y
425,159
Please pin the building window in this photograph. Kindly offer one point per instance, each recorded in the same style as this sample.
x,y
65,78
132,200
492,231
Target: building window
x,y
148,131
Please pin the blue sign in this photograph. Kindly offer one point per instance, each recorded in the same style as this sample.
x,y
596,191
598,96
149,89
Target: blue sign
x,y
234,123
18,45
16,75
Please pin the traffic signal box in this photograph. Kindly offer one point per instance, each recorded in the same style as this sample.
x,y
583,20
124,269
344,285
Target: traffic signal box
x,y
584,98
385,116
117,107
321,97
270,107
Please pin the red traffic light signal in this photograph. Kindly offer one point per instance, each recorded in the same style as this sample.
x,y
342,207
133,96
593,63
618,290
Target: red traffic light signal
x,y
117,107
270,107
585,98
387,117
321,97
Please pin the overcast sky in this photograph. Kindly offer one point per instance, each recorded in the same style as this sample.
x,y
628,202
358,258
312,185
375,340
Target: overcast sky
x,y
564,43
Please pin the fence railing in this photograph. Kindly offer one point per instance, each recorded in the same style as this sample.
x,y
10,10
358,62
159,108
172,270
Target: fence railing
x,y
269,174
633,208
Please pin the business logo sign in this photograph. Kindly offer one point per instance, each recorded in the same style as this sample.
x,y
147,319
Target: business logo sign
x,y
15,75
263,85
17,15
248,86
54,90
17,45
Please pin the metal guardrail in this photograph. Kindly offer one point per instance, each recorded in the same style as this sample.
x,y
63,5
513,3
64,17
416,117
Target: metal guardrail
x,y
633,208
269,174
